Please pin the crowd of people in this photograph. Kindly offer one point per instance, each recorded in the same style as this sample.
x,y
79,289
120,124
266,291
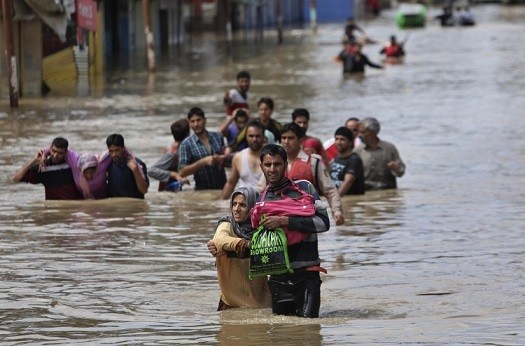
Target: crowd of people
x,y
248,157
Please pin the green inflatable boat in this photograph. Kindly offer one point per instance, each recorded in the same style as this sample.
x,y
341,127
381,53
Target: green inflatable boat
x,y
411,15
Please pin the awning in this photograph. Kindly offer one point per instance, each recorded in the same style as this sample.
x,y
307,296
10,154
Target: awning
x,y
55,13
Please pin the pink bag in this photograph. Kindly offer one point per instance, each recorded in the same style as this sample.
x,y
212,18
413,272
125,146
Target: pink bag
x,y
303,205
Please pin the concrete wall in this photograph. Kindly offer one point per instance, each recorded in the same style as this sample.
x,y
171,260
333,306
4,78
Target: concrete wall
x,y
30,58
27,38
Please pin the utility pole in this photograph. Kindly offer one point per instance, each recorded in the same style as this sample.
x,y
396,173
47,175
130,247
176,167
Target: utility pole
x,y
150,48
7,9
279,21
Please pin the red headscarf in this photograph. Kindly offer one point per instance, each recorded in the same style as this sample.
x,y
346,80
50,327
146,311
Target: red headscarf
x,y
316,144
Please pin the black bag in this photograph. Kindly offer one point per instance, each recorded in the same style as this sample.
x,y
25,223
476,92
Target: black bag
x,y
268,253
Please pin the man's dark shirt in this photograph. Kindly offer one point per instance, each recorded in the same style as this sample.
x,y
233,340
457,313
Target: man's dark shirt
x,y
57,180
121,181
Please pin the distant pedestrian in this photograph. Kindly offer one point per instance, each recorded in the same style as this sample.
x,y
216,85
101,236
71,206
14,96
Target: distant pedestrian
x,y
354,60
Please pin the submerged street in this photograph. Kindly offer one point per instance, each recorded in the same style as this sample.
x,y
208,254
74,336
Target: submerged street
x,y
437,261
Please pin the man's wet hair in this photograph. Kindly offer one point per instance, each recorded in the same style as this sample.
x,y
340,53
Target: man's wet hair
x,y
196,111
241,113
273,150
60,142
180,129
267,101
296,129
243,74
300,112
257,124
115,139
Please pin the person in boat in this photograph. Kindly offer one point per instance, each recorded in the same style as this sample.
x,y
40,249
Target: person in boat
x,y
447,17
355,62
230,246
465,17
165,170
393,49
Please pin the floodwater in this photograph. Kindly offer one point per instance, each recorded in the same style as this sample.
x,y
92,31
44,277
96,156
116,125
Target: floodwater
x,y
439,261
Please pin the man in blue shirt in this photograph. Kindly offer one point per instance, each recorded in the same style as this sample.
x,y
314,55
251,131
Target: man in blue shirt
x,y
127,174
202,154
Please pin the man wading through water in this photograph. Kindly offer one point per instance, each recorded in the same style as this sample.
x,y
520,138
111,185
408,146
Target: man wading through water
x,y
297,293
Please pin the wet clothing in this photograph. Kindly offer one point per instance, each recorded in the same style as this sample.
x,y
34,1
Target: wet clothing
x,y
302,169
57,180
446,18
192,150
246,176
237,290
393,50
233,237
121,181
299,293
163,167
353,165
321,179
236,138
355,63
96,187
275,127
377,174
235,99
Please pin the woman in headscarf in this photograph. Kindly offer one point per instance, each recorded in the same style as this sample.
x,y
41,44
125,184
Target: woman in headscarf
x,y
313,146
232,240
89,172
90,175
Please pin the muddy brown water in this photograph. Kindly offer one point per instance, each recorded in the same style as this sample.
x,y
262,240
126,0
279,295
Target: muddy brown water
x,y
438,261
